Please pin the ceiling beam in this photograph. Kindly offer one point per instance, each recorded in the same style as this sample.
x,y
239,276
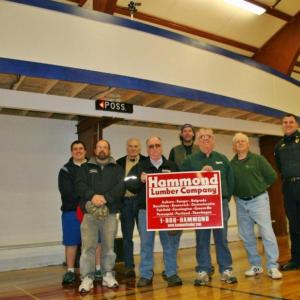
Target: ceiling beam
x,y
50,83
272,11
105,6
177,26
79,2
19,82
82,107
283,48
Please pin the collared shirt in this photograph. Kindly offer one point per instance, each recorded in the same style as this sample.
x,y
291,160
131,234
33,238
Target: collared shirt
x,y
253,175
79,163
157,163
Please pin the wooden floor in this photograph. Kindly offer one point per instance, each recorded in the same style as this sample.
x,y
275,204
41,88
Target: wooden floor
x,y
45,283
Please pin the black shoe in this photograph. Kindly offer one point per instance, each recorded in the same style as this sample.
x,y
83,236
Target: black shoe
x,y
69,278
129,273
98,275
290,266
174,280
163,275
144,282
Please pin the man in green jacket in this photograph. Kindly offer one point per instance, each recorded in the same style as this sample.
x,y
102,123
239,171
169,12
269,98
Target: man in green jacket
x,y
253,175
208,160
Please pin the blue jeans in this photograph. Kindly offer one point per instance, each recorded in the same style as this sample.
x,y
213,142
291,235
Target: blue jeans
x,y
129,217
147,246
203,257
90,228
257,211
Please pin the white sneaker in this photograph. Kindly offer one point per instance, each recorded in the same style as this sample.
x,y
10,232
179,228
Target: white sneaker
x,y
86,285
274,273
228,277
202,278
109,280
253,271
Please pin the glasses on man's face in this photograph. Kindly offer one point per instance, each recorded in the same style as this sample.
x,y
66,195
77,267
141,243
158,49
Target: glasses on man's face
x,y
152,146
205,137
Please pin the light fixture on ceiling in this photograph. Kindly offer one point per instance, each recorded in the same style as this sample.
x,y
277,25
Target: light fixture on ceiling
x,y
258,10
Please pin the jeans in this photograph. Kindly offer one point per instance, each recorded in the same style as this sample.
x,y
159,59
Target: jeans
x,y
129,217
203,256
291,191
176,239
90,228
257,211
147,246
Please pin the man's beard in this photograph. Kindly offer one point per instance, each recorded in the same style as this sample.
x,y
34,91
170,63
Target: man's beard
x,y
102,155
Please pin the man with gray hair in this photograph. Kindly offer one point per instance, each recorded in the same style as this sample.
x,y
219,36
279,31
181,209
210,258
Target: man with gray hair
x,y
154,163
208,160
253,175
129,209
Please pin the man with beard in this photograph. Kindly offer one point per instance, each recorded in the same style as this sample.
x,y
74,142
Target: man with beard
x,y
178,154
208,160
287,156
100,184
186,148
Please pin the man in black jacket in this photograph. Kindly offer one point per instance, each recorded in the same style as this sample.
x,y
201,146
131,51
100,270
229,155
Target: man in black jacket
x,y
70,201
287,157
155,163
100,184
129,210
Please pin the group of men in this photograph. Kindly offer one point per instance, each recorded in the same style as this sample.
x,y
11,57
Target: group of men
x,y
102,187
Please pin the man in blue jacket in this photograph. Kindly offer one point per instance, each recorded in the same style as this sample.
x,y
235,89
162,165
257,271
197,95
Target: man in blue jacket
x,y
70,201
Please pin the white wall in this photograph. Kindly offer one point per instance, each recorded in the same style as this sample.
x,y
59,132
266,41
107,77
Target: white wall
x,y
32,152
117,136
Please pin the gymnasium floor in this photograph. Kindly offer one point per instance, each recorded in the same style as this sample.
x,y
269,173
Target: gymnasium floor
x,y
45,283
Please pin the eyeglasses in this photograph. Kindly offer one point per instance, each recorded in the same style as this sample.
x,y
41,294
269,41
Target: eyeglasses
x,y
152,146
205,137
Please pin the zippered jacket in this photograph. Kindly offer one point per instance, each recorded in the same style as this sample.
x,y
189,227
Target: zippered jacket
x,y
108,180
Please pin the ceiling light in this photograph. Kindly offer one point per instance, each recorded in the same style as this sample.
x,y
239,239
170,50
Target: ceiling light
x,y
258,10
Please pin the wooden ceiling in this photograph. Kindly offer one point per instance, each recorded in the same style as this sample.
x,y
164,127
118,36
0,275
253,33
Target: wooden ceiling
x,y
92,92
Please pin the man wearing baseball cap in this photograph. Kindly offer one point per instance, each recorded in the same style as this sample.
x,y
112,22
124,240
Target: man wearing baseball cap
x,y
187,147
178,154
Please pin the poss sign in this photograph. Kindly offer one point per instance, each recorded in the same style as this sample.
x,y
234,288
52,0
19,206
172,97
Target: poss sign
x,y
120,107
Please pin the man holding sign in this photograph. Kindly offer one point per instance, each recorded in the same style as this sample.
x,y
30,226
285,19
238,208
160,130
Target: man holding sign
x,y
136,182
208,160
